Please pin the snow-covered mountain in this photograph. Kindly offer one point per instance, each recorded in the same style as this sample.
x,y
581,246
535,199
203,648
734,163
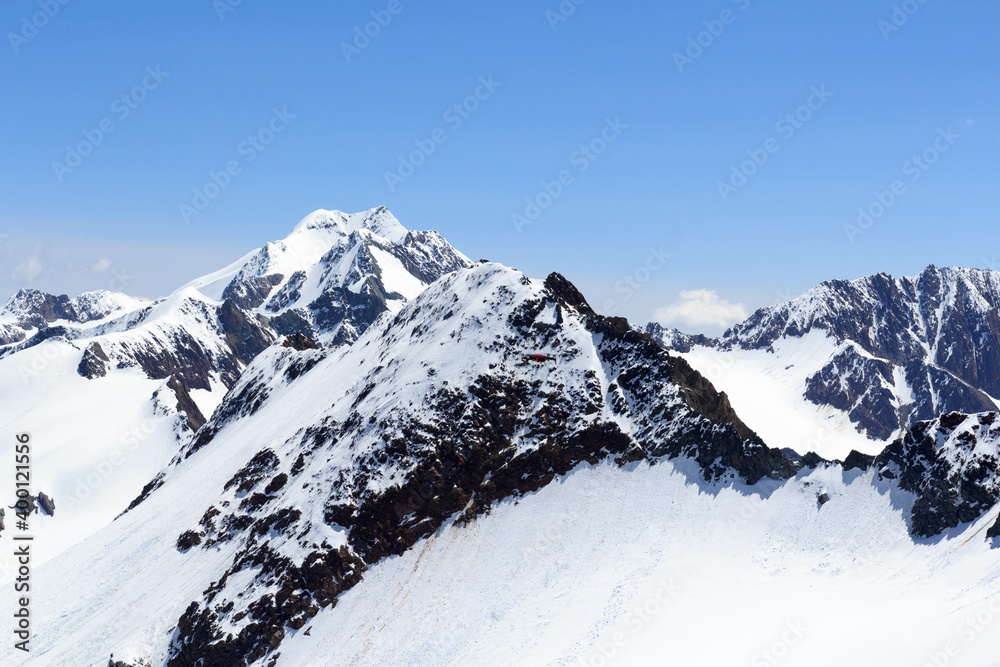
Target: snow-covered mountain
x,y
403,458
851,361
335,273
144,375
321,463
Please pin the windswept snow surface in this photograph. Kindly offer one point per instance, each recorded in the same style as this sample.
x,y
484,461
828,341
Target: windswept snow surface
x,y
766,389
94,444
646,565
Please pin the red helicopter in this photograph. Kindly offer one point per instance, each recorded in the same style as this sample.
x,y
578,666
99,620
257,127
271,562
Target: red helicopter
x,y
539,358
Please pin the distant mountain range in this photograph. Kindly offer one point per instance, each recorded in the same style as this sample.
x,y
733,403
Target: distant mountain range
x,y
895,350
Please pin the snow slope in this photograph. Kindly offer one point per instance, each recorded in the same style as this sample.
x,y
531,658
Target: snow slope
x,y
110,386
696,575
767,390
558,578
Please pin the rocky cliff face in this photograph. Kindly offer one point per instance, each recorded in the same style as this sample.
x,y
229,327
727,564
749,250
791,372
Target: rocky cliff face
x,y
905,349
952,464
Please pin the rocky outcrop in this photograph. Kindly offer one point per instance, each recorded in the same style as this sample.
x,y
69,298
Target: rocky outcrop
x,y
676,340
994,530
951,464
244,334
186,405
858,461
299,341
94,363
47,505
35,309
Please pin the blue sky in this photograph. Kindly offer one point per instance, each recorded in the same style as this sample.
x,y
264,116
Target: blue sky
x,y
682,93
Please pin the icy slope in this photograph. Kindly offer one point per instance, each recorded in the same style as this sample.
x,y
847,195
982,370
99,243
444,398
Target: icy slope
x,y
321,464
898,350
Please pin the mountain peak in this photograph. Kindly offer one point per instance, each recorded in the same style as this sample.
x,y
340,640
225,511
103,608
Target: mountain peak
x,y
378,220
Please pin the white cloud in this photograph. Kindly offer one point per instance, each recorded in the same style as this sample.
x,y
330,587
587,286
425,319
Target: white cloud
x,y
101,265
699,311
28,270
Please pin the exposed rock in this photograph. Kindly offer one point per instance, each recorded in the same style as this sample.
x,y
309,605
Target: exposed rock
x,y
299,341
792,455
94,362
452,454
994,530
244,335
823,498
37,309
181,355
291,322
951,464
46,503
858,460
251,292
860,386
27,505
675,340
938,331
813,460
150,486
188,539
186,404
